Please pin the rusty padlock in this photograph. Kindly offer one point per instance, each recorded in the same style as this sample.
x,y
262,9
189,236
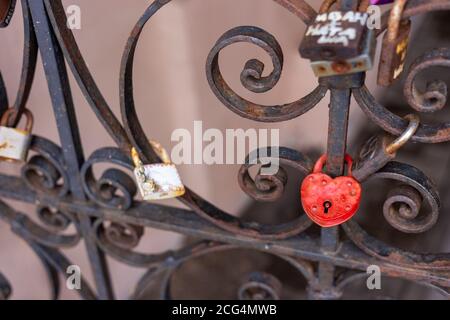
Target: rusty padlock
x,y
157,181
327,201
339,42
6,12
14,142
395,45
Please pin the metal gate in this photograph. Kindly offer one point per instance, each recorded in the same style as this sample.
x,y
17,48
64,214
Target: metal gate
x,y
59,179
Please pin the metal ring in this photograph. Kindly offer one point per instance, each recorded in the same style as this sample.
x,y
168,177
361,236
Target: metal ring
x,y
395,18
135,157
414,122
159,150
12,112
6,115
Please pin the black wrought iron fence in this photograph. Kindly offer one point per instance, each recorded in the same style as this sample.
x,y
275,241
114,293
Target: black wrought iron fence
x,y
58,178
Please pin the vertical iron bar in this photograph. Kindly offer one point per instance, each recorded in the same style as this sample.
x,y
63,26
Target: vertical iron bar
x,y
60,93
337,142
337,131
336,147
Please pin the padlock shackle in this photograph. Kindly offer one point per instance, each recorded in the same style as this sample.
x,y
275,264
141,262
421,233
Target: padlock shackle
x,y
414,122
11,111
395,18
159,150
135,158
323,159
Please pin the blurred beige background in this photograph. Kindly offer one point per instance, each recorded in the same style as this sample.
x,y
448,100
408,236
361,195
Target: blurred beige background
x,y
171,92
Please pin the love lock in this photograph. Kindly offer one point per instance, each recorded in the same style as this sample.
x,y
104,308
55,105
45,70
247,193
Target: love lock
x,y
338,43
15,142
327,201
157,181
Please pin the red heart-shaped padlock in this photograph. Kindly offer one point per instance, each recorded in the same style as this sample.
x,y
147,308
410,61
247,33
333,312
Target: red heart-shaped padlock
x,y
327,201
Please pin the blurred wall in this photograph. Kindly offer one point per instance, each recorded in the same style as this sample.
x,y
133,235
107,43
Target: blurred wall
x,y
171,92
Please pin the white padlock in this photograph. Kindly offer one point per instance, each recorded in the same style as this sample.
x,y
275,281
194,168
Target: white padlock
x,y
157,181
14,142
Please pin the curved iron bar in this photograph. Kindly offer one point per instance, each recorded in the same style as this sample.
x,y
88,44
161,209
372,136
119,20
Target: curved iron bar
x,y
204,248
407,218
435,96
63,107
433,99
118,240
349,276
300,8
44,170
251,78
137,135
30,51
255,230
402,207
60,263
84,78
401,210
31,230
395,124
170,260
104,191
265,187
260,286
52,274
414,8
380,250
42,241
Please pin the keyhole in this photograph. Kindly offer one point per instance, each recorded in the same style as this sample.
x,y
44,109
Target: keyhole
x,y
326,206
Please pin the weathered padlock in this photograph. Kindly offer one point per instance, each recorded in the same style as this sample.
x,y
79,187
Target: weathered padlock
x,y
14,142
395,45
6,12
339,43
327,201
157,181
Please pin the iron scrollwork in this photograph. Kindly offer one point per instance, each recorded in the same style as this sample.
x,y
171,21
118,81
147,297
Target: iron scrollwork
x,y
107,216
